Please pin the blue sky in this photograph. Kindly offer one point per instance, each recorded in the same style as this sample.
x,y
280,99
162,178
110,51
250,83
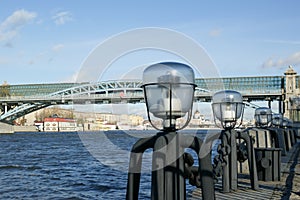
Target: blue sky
x,y
46,42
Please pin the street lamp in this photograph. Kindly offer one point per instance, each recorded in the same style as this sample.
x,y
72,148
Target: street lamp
x,y
289,123
227,107
263,117
277,120
169,93
169,96
279,134
286,122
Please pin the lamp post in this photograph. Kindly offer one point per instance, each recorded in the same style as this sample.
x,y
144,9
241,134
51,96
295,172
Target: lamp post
x,y
228,108
265,137
281,124
169,92
279,136
263,117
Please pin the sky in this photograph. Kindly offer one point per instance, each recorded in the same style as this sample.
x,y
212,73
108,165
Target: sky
x,y
48,41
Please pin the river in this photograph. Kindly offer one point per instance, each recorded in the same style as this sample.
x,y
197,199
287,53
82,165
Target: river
x,y
91,165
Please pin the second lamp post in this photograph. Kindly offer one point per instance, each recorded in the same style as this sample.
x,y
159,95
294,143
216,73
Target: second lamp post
x,y
228,108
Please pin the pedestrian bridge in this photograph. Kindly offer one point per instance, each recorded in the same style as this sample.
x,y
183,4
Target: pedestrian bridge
x,y
19,100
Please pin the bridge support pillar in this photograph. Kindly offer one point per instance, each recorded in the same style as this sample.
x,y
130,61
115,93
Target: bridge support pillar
x,y
290,90
280,107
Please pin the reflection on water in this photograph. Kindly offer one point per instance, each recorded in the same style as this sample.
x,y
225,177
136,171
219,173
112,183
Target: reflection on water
x,y
68,165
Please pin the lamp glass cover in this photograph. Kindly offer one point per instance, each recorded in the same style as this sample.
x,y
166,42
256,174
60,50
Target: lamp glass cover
x,y
263,116
285,122
277,119
227,105
169,91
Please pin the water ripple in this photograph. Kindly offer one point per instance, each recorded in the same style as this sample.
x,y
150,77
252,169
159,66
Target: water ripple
x,y
58,166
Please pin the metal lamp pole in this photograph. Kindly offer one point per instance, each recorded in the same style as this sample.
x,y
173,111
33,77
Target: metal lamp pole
x,y
228,108
169,97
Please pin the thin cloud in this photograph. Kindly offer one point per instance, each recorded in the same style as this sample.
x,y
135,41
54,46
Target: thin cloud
x,y
12,25
292,42
37,58
293,59
72,78
215,32
3,61
46,55
57,47
63,17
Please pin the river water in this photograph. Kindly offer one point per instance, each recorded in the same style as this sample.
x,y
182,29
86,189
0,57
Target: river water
x,y
91,165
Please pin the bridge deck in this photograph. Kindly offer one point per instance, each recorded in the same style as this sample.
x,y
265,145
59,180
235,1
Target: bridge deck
x,y
19,100
258,84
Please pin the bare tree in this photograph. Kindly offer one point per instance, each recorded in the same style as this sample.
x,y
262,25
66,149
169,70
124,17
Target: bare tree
x,y
5,89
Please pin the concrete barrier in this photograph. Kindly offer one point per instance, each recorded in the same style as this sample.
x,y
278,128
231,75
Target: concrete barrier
x,y
268,163
6,128
262,138
25,129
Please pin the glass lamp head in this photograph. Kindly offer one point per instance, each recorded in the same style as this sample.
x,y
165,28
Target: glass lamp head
x,y
285,122
263,117
228,108
169,93
290,123
277,120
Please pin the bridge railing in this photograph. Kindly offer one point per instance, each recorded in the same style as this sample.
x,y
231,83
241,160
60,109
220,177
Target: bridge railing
x,y
136,94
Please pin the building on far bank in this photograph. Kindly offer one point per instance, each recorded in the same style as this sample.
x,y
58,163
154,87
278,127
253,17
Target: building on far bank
x,y
85,121
56,124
